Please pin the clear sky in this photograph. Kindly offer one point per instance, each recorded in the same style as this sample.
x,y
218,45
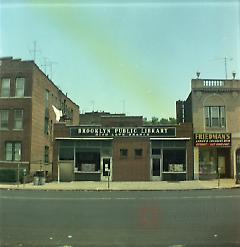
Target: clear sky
x,y
132,56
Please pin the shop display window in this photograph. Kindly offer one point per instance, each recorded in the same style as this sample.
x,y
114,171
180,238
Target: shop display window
x,y
208,161
174,160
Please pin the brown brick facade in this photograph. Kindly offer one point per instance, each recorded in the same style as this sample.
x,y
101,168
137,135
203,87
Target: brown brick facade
x,y
132,167
32,137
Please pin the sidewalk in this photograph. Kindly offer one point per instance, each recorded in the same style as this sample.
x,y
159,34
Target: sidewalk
x,y
124,186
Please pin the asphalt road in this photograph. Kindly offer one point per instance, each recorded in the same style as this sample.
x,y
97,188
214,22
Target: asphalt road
x,y
164,218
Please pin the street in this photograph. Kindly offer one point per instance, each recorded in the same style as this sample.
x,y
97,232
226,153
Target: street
x,y
153,218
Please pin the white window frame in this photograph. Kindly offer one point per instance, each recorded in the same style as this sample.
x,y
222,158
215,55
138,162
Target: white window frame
x,y
4,121
5,88
18,119
209,118
20,87
13,151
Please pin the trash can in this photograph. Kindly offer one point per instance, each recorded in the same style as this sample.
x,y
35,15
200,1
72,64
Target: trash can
x,y
35,180
42,180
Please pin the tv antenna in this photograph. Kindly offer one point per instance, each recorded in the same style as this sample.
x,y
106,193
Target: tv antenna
x,y
123,106
47,63
50,64
34,50
93,105
226,60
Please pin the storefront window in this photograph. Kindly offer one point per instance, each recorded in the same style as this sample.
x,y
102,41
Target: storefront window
x,y
208,161
66,153
174,160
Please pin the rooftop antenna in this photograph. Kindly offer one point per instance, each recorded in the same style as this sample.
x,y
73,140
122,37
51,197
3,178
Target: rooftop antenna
x,y
34,50
123,106
44,65
225,59
50,64
93,104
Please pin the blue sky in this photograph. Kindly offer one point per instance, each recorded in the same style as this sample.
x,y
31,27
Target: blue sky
x,y
136,57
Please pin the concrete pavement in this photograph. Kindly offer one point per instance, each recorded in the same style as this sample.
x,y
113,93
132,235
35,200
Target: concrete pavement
x,y
125,186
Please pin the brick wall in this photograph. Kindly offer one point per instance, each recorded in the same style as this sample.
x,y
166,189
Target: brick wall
x,y
131,168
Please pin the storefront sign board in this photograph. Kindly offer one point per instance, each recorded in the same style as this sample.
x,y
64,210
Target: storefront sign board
x,y
212,139
122,131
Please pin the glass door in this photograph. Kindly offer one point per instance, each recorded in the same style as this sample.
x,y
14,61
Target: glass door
x,y
156,168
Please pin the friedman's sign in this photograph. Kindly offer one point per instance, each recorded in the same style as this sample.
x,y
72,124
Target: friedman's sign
x,y
212,139
122,131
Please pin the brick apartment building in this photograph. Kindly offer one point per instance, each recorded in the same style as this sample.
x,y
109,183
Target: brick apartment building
x,y
30,104
213,106
125,147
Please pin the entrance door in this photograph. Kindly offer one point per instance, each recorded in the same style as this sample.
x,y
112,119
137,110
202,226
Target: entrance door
x,y
221,166
106,168
156,169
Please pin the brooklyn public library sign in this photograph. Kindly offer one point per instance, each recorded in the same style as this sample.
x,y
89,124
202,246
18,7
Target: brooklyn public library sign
x,y
122,131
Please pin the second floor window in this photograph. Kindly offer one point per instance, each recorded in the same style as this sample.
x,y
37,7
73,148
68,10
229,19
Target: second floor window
x,y
20,86
5,88
18,119
4,119
215,117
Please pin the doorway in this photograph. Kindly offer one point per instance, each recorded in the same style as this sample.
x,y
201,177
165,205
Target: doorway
x,y
156,168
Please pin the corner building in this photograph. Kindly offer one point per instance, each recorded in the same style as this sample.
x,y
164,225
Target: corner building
x,y
124,153
30,104
213,107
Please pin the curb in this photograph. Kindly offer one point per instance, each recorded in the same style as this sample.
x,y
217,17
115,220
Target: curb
x,y
120,190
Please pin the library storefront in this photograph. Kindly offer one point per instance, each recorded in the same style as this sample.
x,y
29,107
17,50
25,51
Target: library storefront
x,y
95,153
214,151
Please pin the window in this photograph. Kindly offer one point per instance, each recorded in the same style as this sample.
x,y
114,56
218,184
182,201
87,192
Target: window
x,y
138,153
46,154
156,151
18,119
174,160
5,90
123,153
20,86
46,123
215,116
13,151
46,99
4,119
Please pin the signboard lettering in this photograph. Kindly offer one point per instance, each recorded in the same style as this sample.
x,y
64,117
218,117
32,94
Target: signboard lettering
x,y
212,139
122,131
